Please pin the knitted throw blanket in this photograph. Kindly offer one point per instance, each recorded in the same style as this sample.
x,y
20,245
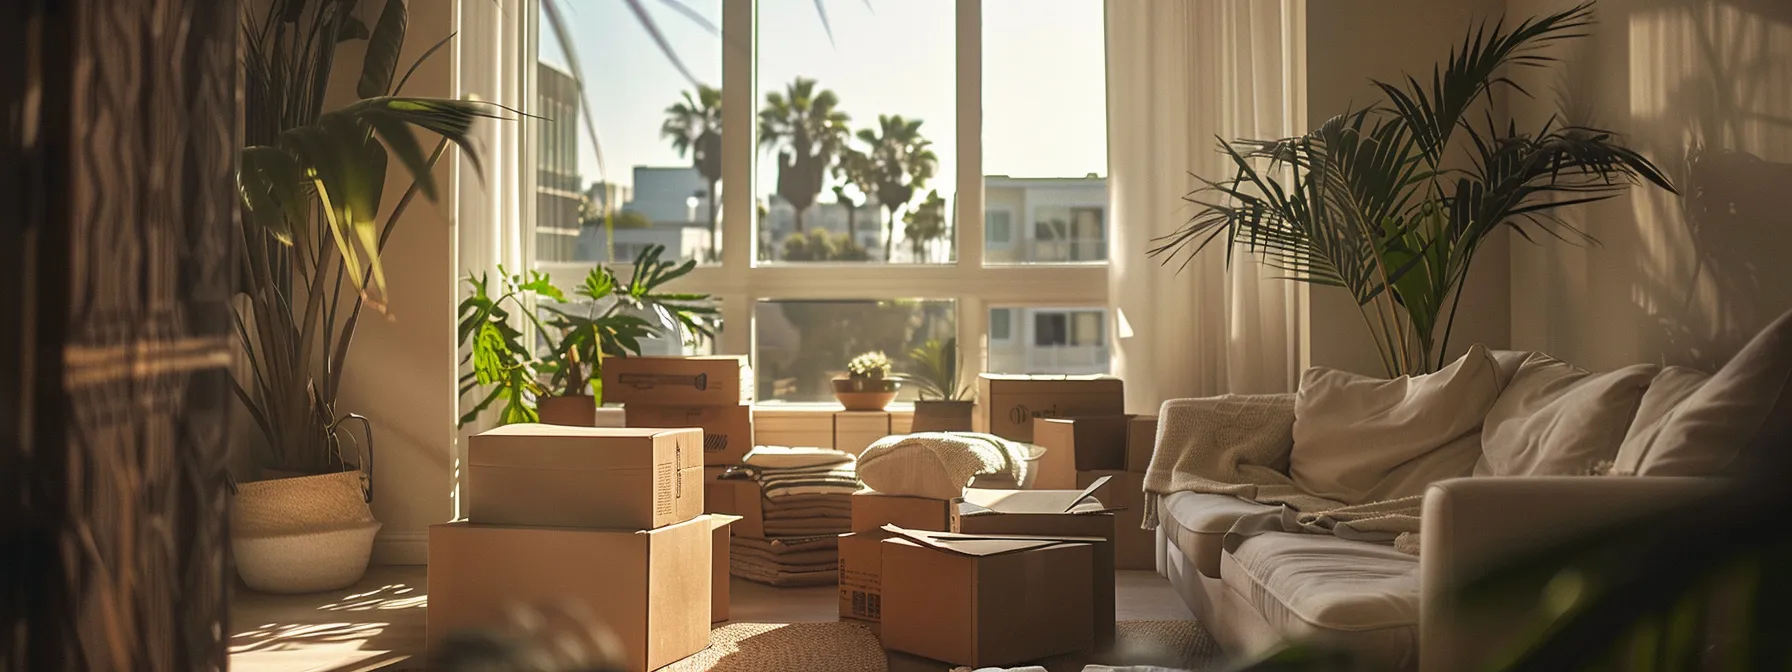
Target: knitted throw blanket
x,y
938,464
1239,445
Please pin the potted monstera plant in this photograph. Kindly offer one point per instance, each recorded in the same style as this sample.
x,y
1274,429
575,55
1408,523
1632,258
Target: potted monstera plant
x,y
312,229
943,405
608,317
868,385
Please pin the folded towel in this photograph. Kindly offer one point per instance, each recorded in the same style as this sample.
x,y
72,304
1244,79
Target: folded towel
x,y
801,501
784,579
787,457
809,511
787,545
817,557
788,528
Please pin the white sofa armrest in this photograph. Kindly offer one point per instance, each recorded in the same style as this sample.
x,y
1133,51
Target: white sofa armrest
x,y
1471,525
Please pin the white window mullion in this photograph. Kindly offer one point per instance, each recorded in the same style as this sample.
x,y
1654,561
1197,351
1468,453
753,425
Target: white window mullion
x,y
732,281
968,226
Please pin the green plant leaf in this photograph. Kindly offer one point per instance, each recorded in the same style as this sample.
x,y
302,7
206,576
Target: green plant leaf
x,y
383,48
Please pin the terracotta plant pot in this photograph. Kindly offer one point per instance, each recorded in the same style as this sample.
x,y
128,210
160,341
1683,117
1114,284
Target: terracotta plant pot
x,y
865,394
302,535
934,415
578,410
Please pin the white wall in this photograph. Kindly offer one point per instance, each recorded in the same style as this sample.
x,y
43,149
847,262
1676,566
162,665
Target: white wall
x,y
1703,88
1350,42
401,371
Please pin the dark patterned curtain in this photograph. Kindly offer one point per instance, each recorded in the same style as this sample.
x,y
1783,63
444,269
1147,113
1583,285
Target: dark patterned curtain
x,y
120,123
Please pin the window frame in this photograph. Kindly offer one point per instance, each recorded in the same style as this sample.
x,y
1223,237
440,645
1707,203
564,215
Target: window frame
x,y
739,282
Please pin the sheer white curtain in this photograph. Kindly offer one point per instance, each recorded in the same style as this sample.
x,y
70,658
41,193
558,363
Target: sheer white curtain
x,y
1182,73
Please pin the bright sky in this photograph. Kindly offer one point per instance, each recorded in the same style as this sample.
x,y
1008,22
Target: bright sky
x,y
1044,84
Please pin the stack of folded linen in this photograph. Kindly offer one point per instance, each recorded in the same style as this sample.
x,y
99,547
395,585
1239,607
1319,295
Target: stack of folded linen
x,y
786,562
806,500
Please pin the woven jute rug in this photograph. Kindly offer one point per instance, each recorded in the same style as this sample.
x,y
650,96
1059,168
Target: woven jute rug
x,y
850,646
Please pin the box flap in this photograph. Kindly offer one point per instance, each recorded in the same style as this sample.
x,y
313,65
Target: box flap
x,y
564,447
720,520
979,501
981,545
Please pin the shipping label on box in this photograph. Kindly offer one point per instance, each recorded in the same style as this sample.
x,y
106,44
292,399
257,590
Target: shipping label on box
x,y
727,430
871,510
987,600
652,592
556,475
678,381
861,575
1007,405
1141,440
1134,546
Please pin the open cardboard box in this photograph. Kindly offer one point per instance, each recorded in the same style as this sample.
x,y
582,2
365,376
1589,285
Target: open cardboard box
x,y
650,588
1078,444
987,600
719,545
736,497
1134,546
1063,513
595,477
861,559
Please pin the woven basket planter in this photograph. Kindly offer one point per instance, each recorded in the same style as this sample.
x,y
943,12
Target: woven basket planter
x,y
302,535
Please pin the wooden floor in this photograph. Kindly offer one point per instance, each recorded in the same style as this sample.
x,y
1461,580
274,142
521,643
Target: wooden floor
x,y
379,623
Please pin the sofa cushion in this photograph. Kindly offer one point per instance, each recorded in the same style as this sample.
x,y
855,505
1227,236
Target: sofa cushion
x,y
1315,587
1556,419
1702,434
1670,387
1359,439
1197,524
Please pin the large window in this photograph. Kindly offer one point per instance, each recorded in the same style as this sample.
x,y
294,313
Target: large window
x,y
866,207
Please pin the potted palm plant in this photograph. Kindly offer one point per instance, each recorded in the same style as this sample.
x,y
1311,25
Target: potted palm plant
x,y
868,385
1367,203
608,318
943,404
311,233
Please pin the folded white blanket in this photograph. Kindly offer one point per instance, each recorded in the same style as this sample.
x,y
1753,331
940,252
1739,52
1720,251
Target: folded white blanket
x,y
938,465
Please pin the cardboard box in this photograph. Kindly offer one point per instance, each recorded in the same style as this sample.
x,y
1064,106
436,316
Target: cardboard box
x,y
561,476
981,600
861,575
651,588
855,430
736,497
678,381
727,430
1051,513
1007,405
1134,546
719,545
1078,444
871,510
1141,440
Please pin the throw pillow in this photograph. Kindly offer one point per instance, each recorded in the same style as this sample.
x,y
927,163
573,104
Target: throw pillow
x,y
1557,419
1749,398
1359,439
1670,387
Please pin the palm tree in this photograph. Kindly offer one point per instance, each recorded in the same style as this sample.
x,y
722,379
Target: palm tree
x,y
901,162
694,125
854,170
926,222
808,130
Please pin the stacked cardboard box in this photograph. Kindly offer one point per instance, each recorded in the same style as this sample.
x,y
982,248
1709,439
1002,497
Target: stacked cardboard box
x,y
714,394
547,504
1113,446
861,550
1020,575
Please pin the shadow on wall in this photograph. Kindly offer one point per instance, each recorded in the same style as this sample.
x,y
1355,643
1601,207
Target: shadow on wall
x,y
1704,88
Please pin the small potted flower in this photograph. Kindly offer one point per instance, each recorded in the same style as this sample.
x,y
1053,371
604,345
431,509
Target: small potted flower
x,y
868,385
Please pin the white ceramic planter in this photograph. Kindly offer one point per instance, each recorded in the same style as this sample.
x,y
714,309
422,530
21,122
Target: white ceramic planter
x,y
303,534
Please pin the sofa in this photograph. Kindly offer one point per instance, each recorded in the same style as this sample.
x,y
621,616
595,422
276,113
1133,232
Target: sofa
x,y
1557,451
